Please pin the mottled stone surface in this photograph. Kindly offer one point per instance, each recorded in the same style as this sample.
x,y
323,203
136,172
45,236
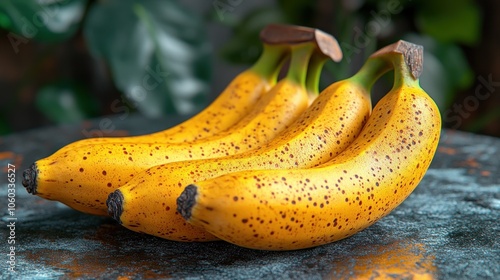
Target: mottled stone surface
x,y
449,228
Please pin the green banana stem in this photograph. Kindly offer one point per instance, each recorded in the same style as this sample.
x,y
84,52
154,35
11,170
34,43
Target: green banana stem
x,y
316,64
270,61
403,75
371,71
403,57
299,63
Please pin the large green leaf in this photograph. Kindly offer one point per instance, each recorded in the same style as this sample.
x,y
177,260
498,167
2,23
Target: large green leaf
x,y
46,21
65,102
450,20
157,52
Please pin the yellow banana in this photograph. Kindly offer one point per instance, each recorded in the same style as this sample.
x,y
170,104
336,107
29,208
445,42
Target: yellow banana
x,y
83,177
232,104
325,129
238,98
300,208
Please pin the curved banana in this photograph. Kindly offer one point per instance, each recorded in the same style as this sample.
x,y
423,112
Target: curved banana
x,y
324,130
301,208
230,106
238,98
83,177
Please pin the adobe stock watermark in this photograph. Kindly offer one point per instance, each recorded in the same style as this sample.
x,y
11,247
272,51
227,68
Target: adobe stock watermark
x,y
224,6
153,79
379,21
458,112
31,26
11,219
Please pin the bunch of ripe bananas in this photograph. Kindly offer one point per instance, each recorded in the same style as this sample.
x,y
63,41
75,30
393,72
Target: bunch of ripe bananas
x,y
272,163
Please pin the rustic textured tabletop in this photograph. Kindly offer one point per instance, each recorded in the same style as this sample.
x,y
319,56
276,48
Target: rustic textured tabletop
x,y
447,229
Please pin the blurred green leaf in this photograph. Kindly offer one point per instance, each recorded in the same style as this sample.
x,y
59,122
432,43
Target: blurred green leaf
x,y
244,46
65,102
456,66
157,52
45,21
450,20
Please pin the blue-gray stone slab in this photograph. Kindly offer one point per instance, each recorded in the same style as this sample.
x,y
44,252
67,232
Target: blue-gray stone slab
x,y
448,228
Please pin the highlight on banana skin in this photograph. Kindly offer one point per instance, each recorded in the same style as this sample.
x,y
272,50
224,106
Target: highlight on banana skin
x,y
273,163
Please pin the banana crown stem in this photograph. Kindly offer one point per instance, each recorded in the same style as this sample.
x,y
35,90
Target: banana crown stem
x,y
299,62
270,62
407,61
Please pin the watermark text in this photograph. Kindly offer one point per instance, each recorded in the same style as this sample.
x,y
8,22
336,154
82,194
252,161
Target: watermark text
x,y
362,37
455,116
11,218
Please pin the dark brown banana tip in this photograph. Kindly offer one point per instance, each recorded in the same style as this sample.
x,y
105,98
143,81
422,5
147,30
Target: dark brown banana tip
x,y
115,205
186,201
412,53
29,179
275,34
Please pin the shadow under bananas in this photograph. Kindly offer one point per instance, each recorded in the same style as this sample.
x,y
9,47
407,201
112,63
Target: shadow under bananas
x,y
79,246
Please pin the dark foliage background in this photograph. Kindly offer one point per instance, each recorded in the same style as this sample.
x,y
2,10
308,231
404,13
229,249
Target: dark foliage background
x,y
63,61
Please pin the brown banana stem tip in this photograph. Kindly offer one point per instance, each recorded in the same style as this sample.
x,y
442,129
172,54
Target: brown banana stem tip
x,y
29,179
186,201
115,205
413,55
275,34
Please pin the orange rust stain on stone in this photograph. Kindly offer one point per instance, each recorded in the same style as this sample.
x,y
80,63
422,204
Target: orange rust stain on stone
x,y
447,150
485,173
10,158
470,162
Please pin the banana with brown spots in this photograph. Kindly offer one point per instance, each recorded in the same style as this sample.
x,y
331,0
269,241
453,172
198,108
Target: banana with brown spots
x,y
230,106
301,208
83,177
325,129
